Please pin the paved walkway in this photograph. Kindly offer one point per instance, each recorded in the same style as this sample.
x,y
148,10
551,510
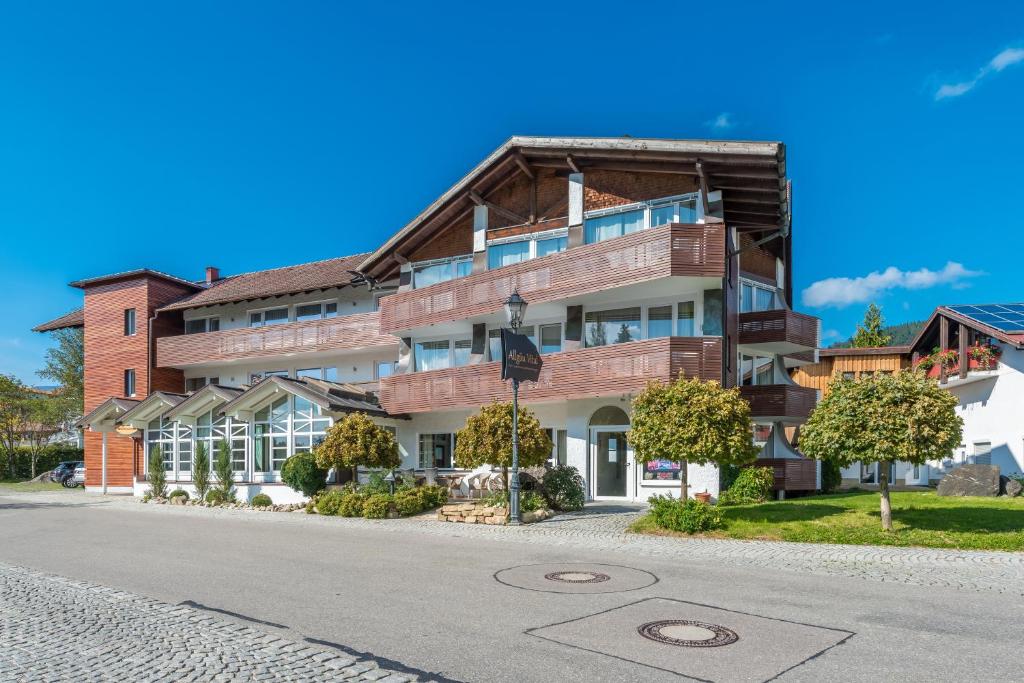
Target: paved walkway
x,y
603,528
57,629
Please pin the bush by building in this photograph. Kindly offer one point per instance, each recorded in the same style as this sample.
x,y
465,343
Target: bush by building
x,y
563,487
261,500
752,485
688,516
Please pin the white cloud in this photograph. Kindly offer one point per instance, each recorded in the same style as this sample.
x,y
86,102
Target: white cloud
x,y
1003,60
829,334
723,121
840,292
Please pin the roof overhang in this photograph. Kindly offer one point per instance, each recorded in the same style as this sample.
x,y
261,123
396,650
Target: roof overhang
x,y
105,416
75,318
866,351
1014,340
150,408
332,397
132,274
753,173
210,397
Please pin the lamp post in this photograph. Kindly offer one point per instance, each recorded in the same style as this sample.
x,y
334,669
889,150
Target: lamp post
x,y
515,311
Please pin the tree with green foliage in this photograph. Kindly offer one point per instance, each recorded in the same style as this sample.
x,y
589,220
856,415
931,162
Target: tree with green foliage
x,y
356,441
65,365
302,473
870,332
14,417
222,471
201,473
157,475
487,439
883,418
691,421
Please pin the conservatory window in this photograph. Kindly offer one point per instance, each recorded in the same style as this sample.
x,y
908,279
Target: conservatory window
x,y
160,433
441,271
432,355
614,326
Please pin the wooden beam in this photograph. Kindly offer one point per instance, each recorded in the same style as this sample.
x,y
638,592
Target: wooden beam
x,y
480,201
703,188
943,346
558,207
961,331
524,166
572,164
533,199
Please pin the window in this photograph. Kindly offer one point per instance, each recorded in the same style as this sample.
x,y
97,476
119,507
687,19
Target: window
x,y
194,384
271,316
552,245
659,321
982,453
499,255
434,272
756,370
129,382
129,322
756,297
505,252
684,211
551,338
431,355
614,225
494,340
316,311
160,433
436,450
309,427
559,442
606,224
762,433
200,325
184,441
684,323
329,374
270,446
461,349
386,368
615,326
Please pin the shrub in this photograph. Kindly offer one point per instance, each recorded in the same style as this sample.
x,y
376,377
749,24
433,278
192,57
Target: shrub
x,y
563,488
352,504
375,484
310,507
302,474
690,516
831,475
201,473
409,502
530,501
215,497
432,496
46,459
179,493
222,470
156,476
496,499
329,503
753,485
261,500
377,506
727,475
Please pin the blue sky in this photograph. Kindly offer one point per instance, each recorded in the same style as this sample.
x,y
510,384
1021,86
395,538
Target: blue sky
x,y
252,135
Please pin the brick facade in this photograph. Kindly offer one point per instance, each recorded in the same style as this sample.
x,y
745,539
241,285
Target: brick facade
x,y
109,352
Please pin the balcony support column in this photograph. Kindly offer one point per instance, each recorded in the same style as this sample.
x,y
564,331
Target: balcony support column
x,y
405,277
961,334
405,355
478,347
480,222
576,237
943,346
573,328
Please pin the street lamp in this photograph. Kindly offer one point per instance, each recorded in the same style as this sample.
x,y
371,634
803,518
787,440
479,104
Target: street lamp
x,y
515,311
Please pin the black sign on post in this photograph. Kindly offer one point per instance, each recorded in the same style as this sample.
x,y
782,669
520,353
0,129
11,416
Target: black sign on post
x,y
519,357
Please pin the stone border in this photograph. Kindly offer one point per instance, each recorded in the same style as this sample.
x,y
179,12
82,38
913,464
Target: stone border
x,y
652,631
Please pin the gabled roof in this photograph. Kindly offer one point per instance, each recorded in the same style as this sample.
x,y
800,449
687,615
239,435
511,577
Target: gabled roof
x,y
151,407
754,173
108,411
330,396
865,351
957,314
203,400
305,277
75,318
124,275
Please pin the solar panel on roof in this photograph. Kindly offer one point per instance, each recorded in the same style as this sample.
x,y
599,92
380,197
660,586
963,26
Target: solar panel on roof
x,y
1003,317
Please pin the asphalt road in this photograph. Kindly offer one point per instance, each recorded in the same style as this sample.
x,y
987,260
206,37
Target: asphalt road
x,y
456,608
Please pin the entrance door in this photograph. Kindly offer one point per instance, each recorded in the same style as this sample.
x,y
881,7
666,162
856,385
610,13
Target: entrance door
x,y
614,473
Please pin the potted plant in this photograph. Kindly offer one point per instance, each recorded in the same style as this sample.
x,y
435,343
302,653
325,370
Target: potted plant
x,y
704,497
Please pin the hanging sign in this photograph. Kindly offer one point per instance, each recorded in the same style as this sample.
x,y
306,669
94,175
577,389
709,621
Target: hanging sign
x,y
519,357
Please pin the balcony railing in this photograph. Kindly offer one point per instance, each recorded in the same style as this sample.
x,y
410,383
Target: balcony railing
x,y
783,402
779,331
349,332
668,250
600,371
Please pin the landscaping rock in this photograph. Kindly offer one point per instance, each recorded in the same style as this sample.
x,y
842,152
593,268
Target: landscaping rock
x,y
971,480
1011,487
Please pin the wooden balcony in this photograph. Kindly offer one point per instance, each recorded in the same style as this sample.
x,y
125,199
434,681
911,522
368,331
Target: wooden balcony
x,y
601,371
345,333
779,331
665,251
780,402
791,474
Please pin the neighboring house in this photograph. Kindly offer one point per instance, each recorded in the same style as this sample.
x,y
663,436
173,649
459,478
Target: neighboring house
x,y
639,259
989,386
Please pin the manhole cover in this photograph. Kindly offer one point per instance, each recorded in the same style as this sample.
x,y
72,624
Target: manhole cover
x,y
577,577
687,633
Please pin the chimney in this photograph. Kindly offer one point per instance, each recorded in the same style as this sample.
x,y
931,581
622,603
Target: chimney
x,y
212,274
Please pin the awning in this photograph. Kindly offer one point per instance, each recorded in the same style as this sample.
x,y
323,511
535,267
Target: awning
x,y
150,408
104,417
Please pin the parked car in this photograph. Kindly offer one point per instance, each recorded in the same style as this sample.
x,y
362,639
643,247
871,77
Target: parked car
x,y
76,478
64,469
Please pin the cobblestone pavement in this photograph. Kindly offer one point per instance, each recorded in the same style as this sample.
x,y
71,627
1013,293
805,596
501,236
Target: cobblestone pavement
x,y
57,629
603,528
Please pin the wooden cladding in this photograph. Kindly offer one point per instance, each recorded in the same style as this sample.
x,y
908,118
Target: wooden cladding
x,y
599,371
668,250
356,331
791,474
781,401
778,327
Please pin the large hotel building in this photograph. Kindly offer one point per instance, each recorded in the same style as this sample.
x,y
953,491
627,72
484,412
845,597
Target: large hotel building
x,y
640,259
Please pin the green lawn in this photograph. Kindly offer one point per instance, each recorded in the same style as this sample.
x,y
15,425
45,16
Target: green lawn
x,y
24,486
919,519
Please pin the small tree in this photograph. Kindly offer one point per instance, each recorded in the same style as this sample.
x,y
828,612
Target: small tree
x,y
883,418
65,365
692,421
487,439
201,475
356,441
870,332
45,414
223,472
156,475
14,416
302,473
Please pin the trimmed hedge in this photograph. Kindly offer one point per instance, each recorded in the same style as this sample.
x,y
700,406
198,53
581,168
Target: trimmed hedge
x,y
690,516
261,500
47,460
179,493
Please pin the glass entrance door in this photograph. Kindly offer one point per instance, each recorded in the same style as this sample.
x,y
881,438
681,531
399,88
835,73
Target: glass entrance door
x,y
613,467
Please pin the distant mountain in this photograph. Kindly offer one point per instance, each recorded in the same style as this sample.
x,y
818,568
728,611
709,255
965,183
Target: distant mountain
x,y
901,334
